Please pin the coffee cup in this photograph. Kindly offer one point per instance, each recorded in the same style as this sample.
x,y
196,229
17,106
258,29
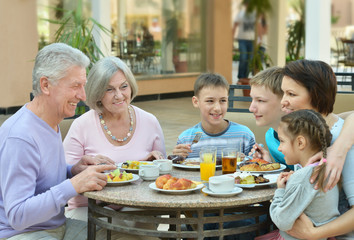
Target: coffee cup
x,y
221,184
164,165
149,172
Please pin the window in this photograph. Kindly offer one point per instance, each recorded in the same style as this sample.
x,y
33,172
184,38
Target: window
x,y
159,36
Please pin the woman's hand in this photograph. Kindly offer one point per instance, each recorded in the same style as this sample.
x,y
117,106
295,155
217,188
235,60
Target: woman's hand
x,y
260,152
182,150
335,162
153,156
302,228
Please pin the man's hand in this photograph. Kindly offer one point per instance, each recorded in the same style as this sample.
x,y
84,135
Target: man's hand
x,y
91,179
182,150
88,160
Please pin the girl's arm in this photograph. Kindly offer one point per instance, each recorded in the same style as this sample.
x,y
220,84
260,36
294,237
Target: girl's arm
x,y
289,202
304,229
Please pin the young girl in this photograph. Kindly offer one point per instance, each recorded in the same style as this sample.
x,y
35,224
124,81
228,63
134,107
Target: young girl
x,y
302,134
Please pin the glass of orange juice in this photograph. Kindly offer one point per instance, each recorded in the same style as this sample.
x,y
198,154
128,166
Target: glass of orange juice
x,y
207,163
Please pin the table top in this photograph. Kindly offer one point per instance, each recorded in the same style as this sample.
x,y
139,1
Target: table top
x,y
139,194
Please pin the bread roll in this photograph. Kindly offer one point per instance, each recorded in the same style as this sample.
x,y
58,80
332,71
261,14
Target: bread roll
x,y
250,167
160,181
270,166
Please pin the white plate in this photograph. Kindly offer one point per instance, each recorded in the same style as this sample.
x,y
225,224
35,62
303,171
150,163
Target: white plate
x,y
191,166
131,170
135,177
282,167
235,191
272,180
153,186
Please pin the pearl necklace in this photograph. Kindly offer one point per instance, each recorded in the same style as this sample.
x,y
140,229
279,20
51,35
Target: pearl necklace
x,y
110,133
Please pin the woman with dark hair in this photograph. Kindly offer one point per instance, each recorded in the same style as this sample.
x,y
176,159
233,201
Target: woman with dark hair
x,y
312,85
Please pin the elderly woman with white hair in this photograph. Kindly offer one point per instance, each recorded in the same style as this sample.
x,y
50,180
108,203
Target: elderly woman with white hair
x,y
113,128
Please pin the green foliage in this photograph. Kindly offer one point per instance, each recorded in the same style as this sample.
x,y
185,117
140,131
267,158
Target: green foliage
x,y
296,32
76,31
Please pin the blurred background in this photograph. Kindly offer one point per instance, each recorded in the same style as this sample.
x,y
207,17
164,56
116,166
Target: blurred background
x,y
167,43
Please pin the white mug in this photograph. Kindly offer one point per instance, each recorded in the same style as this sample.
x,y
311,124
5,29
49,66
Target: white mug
x,y
149,172
221,184
164,165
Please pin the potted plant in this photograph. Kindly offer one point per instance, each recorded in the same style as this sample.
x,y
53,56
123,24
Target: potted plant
x,y
296,32
76,30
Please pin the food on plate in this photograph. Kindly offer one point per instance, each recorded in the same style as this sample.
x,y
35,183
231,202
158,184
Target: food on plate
x,y
162,180
259,161
176,158
167,182
248,178
270,166
258,164
134,164
117,176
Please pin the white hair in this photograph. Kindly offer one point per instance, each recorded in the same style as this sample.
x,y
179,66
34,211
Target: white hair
x,y
53,61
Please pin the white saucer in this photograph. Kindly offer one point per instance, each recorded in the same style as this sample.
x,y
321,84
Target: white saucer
x,y
149,178
235,191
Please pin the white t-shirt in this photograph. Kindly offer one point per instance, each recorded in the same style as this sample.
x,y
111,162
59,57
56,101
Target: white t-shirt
x,y
246,25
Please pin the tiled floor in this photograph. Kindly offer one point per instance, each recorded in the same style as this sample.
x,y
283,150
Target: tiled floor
x,y
174,115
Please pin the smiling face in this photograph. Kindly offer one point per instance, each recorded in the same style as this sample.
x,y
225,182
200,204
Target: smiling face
x,y
212,102
265,106
287,146
68,92
295,96
118,95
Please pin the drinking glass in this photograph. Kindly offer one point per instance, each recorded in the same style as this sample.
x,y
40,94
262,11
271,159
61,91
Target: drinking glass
x,y
229,162
207,163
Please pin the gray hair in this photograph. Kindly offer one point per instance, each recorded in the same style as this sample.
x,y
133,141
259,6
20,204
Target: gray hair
x,y
99,77
53,61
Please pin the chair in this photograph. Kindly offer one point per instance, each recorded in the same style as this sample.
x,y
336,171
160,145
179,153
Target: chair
x,y
340,53
348,46
233,98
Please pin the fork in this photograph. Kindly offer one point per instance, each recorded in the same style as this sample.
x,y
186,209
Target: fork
x,y
251,156
197,137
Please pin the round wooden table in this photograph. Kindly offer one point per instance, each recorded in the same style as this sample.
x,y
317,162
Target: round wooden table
x,y
194,209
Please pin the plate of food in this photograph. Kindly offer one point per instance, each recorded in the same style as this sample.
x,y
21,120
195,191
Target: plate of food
x,y
248,180
120,178
189,163
172,185
260,166
132,166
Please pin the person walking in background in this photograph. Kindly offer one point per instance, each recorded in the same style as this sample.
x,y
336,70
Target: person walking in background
x,y
245,24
